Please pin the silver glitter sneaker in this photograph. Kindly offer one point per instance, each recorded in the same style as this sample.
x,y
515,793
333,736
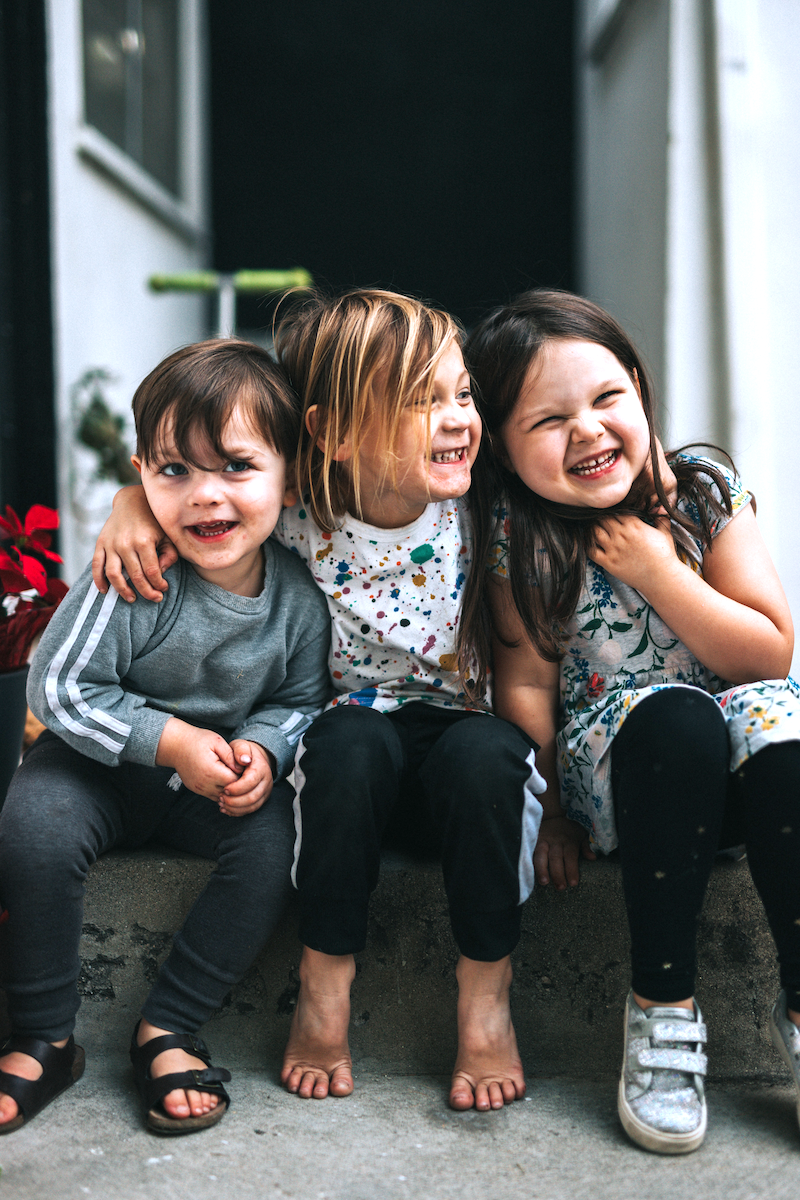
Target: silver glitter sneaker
x,y
786,1040
661,1101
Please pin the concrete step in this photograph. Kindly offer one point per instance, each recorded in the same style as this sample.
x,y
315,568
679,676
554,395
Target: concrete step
x,y
571,971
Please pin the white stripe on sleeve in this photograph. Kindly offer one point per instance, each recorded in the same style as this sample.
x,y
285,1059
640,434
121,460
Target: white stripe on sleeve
x,y
71,683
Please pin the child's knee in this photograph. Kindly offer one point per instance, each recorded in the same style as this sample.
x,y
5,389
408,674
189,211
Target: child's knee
x,y
678,724
351,737
480,753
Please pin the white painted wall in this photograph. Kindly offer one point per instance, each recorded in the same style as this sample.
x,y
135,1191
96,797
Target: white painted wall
x,y
702,262
107,238
622,175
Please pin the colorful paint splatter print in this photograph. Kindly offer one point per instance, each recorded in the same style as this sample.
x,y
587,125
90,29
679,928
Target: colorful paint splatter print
x,y
618,651
394,597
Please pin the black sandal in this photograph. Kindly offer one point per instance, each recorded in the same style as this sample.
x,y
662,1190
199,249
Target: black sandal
x,y
152,1091
61,1067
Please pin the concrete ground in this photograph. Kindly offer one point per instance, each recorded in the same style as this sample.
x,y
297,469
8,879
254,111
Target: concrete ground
x,y
396,1139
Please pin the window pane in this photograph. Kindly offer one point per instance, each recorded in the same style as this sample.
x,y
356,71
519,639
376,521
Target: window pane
x,y
104,67
160,91
131,80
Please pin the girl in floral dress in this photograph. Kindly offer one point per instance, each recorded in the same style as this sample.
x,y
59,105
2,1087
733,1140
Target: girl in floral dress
x,y
642,638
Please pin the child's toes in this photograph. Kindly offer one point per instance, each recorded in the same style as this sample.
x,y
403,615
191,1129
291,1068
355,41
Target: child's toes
x,y
189,1104
8,1109
512,1091
310,1084
462,1096
341,1082
201,1103
176,1104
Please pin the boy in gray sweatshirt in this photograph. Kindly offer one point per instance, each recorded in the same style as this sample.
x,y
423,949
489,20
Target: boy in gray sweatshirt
x,y
175,720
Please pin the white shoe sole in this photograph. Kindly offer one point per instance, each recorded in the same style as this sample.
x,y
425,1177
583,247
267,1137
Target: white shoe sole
x,y
657,1140
781,1047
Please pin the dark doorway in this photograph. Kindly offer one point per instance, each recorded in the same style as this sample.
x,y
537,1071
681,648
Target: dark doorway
x,y
425,147
27,423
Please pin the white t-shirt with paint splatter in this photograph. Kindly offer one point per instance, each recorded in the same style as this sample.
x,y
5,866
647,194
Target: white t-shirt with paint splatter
x,y
394,597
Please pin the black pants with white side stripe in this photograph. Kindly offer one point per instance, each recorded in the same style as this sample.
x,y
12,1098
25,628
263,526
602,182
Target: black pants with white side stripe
x,y
436,780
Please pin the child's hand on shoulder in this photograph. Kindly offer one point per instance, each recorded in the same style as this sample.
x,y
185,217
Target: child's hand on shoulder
x,y
132,544
560,846
631,550
254,783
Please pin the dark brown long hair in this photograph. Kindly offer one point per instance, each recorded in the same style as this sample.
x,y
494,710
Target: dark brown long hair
x,y
550,543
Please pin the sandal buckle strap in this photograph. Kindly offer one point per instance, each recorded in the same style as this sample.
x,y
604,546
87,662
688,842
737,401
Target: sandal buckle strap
x,y
210,1075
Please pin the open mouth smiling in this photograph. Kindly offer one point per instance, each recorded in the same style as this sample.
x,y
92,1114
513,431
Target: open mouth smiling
x,y
449,456
594,466
211,529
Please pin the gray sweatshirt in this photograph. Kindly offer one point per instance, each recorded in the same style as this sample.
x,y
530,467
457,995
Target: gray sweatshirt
x,y
108,675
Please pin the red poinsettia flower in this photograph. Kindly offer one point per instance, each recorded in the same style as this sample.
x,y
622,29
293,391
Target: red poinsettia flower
x,y
24,615
33,534
21,573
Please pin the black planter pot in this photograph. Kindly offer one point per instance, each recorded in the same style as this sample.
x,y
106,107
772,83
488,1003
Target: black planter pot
x,y
13,709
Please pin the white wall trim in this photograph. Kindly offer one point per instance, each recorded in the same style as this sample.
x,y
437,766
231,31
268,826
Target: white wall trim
x,y
98,150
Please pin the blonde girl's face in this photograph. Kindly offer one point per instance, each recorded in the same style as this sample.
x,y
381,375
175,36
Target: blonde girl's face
x,y
578,434
426,469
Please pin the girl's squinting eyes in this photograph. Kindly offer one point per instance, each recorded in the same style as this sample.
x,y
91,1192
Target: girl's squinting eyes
x,y
237,466
173,469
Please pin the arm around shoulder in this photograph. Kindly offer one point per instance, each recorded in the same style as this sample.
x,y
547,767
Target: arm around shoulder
x,y
132,551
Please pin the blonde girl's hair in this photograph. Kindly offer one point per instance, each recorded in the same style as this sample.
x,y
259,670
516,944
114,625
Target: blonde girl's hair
x,y
358,360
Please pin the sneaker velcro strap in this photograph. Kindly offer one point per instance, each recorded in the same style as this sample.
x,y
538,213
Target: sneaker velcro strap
x,y
676,1031
672,1060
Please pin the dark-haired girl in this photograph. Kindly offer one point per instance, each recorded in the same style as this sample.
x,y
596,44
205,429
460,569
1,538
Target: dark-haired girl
x,y
643,639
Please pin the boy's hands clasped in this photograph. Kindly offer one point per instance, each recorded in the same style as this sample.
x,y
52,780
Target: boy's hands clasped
x,y
237,775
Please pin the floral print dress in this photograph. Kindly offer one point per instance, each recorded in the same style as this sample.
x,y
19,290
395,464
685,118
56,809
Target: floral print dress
x,y
619,651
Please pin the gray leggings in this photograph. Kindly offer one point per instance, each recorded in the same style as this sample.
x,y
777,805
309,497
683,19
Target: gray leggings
x,y
62,811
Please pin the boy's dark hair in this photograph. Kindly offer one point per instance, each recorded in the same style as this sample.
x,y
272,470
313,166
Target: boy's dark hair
x,y
199,386
550,543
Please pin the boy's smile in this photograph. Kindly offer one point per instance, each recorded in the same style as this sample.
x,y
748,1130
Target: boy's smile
x,y
424,474
578,434
218,514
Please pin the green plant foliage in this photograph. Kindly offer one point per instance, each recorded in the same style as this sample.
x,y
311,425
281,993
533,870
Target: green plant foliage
x,y
100,429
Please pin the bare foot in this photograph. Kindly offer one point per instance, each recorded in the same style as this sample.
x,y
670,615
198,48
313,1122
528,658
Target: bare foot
x,y
178,1103
26,1068
317,1060
488,1071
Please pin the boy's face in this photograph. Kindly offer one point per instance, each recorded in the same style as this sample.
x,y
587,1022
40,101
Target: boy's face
x,y
217,517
